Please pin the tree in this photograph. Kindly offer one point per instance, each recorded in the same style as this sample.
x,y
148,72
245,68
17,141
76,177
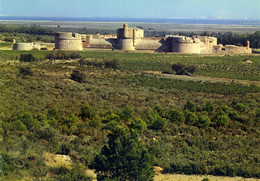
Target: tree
x,y
190,118
124,158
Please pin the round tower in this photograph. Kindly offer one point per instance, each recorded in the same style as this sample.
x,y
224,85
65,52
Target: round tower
x,y
68,41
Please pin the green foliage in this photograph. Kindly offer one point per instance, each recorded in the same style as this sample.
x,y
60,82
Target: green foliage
x,y
203,122
209,107
27,58
190,106
182,69
233,115
240,107
53,113
221,119
159,123
62,55
70,121
225,108
114,64
124,158
86,112
78,76
19,126
191,118
127,113
25,71
176,116
138,125
24,118
111,116
159,109
95,122
75,174
205,179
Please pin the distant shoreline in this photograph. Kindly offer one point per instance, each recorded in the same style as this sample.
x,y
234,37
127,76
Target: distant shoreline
x,y
136,20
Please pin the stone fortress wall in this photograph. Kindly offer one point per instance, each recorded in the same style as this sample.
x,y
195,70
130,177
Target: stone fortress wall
x,y
130,39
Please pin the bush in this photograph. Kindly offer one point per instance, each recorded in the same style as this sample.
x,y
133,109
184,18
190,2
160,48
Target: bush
x,y
62,55
190,118
111,64
159,123
182,69
138,125
190,106
221,119
203,121
240,107
78,76
86,112
176,116
95,122
209,107
27,58
25,118
19,126
225,108
127,113
25,71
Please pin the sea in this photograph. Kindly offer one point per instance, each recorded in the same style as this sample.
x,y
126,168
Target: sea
x,y
144,20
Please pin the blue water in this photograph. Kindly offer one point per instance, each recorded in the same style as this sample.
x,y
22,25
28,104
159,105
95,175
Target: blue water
x,y
145,20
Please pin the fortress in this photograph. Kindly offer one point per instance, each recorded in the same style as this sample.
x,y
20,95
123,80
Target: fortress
x,y
130,39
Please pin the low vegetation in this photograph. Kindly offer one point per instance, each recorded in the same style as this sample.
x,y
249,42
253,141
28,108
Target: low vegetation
x,y
92,103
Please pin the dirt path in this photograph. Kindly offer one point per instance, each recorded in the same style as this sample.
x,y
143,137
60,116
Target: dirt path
x,y
202,78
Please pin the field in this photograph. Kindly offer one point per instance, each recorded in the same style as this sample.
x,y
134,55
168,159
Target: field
x,y
113,26
218,135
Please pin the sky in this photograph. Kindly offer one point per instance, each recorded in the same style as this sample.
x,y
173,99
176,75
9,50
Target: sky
x,y
185,9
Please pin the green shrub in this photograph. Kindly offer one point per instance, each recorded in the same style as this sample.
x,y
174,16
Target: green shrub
x,y
159,123
25,71
176,116
182,69
138,124
114,64
27,58
127,113
190,118
46,133
225,108
221,119
95,122
240,107
19,126
78,76
70,121
190,106
233,115
209,107
203,121
86,112
159,109
25,118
